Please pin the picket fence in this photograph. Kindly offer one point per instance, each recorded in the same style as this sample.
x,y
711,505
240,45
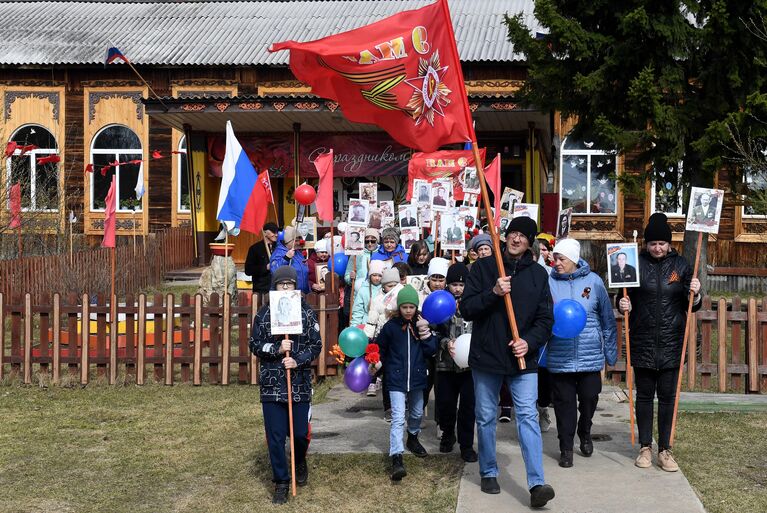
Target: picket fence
x,y
187,343
206,343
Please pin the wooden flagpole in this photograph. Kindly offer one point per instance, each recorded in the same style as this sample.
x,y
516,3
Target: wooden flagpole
x,y
629,371
332,259
71,244
436,233
133,216
351,296
290,422
226,263
483,185
21,246
684,340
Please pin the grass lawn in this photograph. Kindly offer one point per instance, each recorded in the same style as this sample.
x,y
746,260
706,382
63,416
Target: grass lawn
x,y
181,449
723,457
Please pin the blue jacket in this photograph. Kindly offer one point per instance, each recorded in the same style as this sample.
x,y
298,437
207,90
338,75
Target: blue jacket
x,y
279,259
598,340
404,356
396,256
362,299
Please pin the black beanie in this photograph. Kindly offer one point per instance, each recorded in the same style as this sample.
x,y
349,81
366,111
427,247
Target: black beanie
x,y
271,227
657,228
457,273
525,226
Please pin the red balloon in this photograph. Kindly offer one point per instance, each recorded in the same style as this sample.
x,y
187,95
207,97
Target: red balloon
x,y
305,194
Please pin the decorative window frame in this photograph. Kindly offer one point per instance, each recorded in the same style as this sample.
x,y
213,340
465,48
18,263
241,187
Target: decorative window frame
x,y
33,170
114,152
31,104
749,227
104,105
190,88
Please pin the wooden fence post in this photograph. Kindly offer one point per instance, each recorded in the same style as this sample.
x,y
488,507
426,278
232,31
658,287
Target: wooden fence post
x,y
27,338
85,328
253,359
692,352
168,339
56,338
197,378
2,336
721,314
753,341
763,324
140,368
113,327
736,378
322,365
226,350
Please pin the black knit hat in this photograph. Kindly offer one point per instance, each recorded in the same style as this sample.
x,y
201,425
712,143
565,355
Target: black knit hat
x,y
271,227
525,226
457,273
284,273
657,228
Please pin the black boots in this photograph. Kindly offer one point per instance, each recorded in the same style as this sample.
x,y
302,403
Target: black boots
x,y
566,459
397,468
414,446
468,454
280,493
446,443
587,446
540,495
490,485
302,473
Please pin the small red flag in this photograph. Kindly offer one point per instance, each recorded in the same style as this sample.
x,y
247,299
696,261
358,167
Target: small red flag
x,y
15,206
493,179
324,201
254,216
89,168
10,148
156,154
27,148
401,73
109,217
51,159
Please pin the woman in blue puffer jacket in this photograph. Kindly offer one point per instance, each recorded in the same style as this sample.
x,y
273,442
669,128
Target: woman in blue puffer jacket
x,y
575,363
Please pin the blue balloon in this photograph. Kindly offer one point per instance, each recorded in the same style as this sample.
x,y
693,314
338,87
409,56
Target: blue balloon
x,y
438,307
356,376
280,235
569,319
340,261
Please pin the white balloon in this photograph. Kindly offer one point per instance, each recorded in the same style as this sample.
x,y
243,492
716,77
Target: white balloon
x,y
462,345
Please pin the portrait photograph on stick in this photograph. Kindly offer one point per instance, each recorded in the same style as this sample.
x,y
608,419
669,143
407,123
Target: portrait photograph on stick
x,y
408,236
705,210
421,192
441,192
353,242
369,191
286,318
359,212
451,232
563,223
622,265
408,216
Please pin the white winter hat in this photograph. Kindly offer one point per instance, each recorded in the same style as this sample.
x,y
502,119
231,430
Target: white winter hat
x,y
438,266
569,248
377,267
390,275
321,245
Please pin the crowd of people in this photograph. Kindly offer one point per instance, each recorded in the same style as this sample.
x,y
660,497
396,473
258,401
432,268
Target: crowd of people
x,y
418,357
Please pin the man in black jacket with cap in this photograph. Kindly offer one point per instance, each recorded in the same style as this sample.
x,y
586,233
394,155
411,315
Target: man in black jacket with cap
x,y
257,261
493,357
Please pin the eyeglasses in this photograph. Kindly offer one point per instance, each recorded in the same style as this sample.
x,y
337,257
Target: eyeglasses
x,y
371,241
514,235
285,284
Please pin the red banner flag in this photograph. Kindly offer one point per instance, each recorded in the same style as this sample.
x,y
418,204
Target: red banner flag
x,y
50,159
401,73
254,216
10,148
324,201
15,206
493,179
444,164
109,217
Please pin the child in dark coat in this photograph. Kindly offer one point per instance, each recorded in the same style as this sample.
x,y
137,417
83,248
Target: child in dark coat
x,y
405,342
273,368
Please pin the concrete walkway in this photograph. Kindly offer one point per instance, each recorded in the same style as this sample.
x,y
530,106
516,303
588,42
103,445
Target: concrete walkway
x,y
606,482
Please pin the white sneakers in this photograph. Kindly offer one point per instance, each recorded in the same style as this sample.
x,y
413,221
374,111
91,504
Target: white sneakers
x,y
644,460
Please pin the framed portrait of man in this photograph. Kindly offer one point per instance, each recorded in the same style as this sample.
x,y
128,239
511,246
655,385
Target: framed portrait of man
x,y
307,230
510,197
321,271
705,210
369,191
470,180
408,216
451,233
622,265
359,212
421,192
441,193
563,223
285,312
408,236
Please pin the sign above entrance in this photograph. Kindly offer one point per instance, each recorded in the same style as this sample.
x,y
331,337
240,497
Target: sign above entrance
x,y
357,154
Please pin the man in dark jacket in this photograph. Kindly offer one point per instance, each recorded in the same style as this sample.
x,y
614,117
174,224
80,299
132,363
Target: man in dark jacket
x,y
493,354
273,368
257,261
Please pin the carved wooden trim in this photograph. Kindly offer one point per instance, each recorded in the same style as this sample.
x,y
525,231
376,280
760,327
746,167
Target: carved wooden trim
x,y
278,106
221,106
504,106
52,96
331,106
251,106
284,87
203,93
111,83
94,97
193,107
473,107
202,82
306,106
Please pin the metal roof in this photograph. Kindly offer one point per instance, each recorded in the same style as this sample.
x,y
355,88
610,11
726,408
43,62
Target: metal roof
x,y
225,33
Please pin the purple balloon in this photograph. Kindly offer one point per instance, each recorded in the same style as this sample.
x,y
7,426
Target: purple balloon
x,y
356,376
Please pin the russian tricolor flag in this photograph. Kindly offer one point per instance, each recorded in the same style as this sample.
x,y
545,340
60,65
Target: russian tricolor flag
x,y
244,194
114,54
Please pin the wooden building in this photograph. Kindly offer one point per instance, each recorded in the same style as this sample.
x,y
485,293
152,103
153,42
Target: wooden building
x,y
207,62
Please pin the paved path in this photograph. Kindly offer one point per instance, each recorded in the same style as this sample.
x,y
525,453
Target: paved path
x,y
606,482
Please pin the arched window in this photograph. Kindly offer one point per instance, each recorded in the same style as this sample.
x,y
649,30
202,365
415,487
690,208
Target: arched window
x,y
184,203
666,193
30,167
117,148
587,178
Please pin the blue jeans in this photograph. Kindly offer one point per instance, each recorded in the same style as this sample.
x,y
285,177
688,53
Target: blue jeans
x,y
415,402
277,429
524,391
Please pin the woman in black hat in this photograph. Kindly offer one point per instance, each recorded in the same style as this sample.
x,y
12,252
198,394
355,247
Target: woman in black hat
x,y
657,321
